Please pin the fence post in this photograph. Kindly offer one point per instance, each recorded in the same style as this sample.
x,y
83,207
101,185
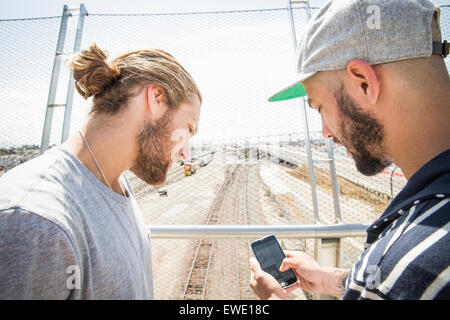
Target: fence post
x,y
71,87
54,80
329,255
334,182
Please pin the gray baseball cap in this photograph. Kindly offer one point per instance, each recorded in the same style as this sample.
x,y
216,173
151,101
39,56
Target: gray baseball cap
x,y
376,31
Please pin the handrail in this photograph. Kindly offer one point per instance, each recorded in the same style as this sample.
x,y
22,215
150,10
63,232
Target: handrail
x,y
330,250
317,231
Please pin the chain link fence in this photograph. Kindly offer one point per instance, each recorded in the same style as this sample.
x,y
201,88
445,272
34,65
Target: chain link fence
x,y
250,160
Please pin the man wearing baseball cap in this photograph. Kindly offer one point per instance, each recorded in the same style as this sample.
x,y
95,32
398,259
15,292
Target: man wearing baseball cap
x,y
375,71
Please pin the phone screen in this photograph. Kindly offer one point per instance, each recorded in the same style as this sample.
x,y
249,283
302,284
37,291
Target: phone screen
x,y
269,254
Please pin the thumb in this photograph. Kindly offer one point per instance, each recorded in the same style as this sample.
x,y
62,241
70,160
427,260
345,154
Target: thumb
x,y
288,263
290,254
291,289
254,265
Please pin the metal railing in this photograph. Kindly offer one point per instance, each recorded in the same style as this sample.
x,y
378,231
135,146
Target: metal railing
x,y
311,231
327,248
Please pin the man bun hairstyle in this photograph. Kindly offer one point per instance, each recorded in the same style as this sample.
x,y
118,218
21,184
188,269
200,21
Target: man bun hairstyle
x,y
112,83
92,72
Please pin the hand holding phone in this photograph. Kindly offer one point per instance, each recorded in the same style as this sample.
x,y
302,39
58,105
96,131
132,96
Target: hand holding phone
x,y
270,256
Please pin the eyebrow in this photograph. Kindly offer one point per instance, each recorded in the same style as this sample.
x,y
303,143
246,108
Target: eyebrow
x,y
317,108
196,123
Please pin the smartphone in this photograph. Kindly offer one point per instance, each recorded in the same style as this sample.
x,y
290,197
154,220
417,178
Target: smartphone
x,y
269,254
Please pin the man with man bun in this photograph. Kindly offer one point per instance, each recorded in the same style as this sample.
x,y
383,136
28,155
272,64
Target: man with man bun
x,y
69,223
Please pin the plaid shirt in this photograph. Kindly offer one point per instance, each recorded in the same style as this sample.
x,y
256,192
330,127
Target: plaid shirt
x,y
407,252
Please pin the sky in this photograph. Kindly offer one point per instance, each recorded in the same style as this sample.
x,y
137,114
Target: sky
x,y
39,8
237,59
33,8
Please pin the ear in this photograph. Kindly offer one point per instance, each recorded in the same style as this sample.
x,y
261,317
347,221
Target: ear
x,y
364,81
155,101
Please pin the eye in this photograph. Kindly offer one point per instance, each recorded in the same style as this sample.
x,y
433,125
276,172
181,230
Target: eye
x,y
191,130
318,108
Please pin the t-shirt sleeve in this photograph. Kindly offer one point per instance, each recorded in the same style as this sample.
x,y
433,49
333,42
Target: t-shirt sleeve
x,y
37,258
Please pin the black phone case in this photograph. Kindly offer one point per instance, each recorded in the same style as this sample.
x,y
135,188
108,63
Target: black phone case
x,y
268,239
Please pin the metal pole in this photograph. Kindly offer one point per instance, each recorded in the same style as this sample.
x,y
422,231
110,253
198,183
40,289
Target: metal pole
x,y
312,178
294,35
54,81
307,231
334,182
332,245
330,257
308,10
71,87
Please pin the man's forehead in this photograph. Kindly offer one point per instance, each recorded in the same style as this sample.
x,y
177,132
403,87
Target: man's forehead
x,y
190,110
195,118
310,83
310,87
188,113
323,81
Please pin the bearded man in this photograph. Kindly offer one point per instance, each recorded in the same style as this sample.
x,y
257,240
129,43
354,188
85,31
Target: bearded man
x,y
375,72
69,223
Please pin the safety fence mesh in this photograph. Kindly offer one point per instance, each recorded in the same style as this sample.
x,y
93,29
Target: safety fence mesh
x,y
249,159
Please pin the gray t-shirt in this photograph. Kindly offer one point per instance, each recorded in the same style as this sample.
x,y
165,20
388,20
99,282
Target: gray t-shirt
x,y
65,235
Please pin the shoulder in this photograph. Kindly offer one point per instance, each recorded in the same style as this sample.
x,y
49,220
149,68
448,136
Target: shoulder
x,y
46,185
19,226
35,255
409,257
413,254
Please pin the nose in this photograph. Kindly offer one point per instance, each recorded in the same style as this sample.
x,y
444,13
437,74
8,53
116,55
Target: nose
x,y
326,132
185,154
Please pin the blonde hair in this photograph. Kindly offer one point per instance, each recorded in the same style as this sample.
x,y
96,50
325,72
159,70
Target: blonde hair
x,y
112,83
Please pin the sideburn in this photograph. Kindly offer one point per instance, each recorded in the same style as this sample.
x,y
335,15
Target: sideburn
x,y
363,133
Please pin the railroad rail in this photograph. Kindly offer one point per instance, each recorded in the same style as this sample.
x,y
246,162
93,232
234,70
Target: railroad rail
x,y
243,249
207,253
197,279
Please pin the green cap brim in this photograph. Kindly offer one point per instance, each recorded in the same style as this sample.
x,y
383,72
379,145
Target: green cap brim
x,y
295,91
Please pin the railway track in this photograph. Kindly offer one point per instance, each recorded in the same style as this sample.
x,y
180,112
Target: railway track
x,y
197,279
219,269
226,260
211,259
242,247
244,199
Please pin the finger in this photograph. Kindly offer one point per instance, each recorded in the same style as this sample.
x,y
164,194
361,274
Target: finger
x,y
252,281
289,253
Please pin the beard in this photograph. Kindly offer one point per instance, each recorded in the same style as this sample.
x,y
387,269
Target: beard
x,y
153,159
362,135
